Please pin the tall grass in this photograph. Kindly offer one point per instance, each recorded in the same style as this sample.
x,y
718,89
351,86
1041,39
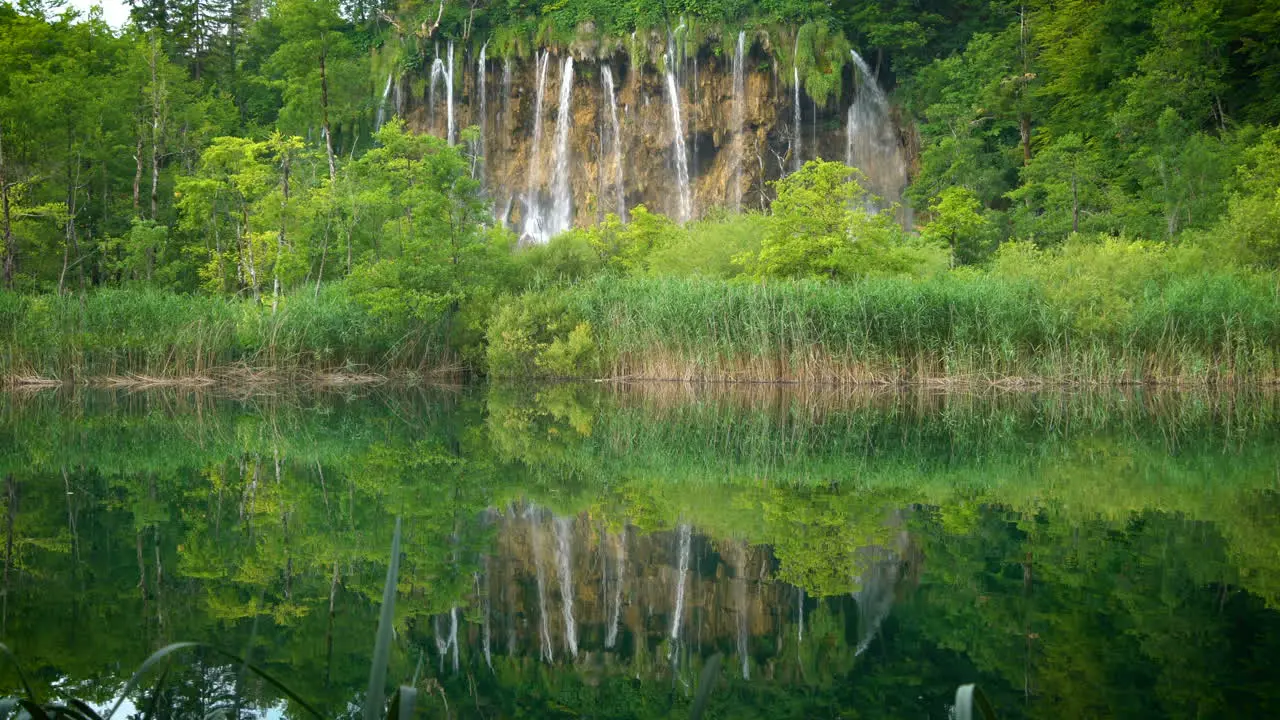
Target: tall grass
x,y
147,332
958,326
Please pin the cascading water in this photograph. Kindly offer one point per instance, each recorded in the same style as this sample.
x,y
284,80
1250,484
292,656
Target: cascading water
x,y
871,140
684,203
620,187
382,106
562,196
682,573
448,88
484,110
797,151
738,120
533,230
564,561
437,77
740,606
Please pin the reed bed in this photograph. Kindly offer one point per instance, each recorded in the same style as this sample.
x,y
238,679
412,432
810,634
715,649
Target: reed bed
x,y
952,329
144,337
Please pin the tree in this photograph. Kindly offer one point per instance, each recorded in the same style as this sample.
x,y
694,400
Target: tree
x,y
959,223
821,227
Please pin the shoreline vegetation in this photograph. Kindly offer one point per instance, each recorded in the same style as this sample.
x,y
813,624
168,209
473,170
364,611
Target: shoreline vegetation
x,y
264,201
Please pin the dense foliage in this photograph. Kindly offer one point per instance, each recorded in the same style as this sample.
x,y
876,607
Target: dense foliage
x,y
237,151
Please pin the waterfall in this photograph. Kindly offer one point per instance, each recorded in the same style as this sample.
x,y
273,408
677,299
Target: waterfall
x,y
561,194
484,112
437,76
448,87
684,210
532,210
797,158
506,95
611,636
564,559
682,573
399,103
738,119
871,140
619,177
382,106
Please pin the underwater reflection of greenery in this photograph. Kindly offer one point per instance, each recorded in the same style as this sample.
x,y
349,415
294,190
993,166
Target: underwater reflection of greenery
x,y
1101,554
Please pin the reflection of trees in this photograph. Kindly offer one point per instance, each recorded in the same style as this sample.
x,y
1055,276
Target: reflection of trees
x,y
1038,546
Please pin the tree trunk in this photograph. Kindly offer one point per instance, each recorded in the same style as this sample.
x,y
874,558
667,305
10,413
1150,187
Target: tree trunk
x,y
156,130
137,173
324,119
280,239
10,252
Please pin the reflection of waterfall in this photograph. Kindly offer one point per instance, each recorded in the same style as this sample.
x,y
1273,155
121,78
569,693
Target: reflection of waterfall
x,y
871,140
684,207
562,201
682,573
453,634
606,75
738,120
564,559
740,604
620,545
800,614
382,106
532,211
486,632
535,541
875,597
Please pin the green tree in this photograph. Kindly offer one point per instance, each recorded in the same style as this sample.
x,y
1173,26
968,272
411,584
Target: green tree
x,y
821,227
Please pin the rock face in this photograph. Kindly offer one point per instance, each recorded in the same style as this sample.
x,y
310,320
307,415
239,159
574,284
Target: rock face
x,y
737,112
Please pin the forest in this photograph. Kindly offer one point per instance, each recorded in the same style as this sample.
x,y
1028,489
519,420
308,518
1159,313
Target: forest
x,y
1090,191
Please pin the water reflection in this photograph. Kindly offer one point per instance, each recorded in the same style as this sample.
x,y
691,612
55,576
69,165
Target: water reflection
x,y
587,551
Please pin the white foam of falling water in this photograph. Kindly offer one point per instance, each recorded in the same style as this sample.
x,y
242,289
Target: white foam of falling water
x,y
562,195
684,206
564,559
619,177
611,636
450,134
484,112
437,78
533,230
738,119
382,106
871,140
797,160
682,573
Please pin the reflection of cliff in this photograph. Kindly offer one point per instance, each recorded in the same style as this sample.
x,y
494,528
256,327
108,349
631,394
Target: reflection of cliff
x,y
559,588
683,131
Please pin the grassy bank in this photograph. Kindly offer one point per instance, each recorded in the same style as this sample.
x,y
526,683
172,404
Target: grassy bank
x,y
148,335
975,327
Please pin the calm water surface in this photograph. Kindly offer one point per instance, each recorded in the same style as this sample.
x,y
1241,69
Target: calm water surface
x,y
585,552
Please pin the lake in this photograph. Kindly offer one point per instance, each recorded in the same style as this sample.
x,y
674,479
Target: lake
x,y
588,550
